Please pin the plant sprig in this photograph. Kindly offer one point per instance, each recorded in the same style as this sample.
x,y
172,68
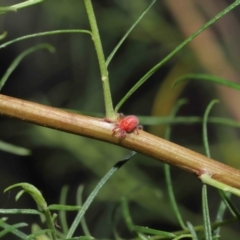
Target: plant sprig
x,y
176,50
15,7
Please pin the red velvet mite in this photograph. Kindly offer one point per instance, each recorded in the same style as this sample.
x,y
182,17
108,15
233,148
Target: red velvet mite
x,y
126,125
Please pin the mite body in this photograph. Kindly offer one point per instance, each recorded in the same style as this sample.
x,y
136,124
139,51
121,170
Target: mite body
x,y
126,125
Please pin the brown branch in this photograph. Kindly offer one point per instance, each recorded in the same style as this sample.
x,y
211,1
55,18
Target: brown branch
x,y
97,128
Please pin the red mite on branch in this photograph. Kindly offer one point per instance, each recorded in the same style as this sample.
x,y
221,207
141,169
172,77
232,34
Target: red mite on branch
x,y
126,125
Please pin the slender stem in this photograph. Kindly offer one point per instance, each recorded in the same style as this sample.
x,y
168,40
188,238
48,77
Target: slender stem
x,y
50,223
215,183
110,114
143,142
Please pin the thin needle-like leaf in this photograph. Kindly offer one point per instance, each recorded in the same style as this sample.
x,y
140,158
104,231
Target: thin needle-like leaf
x,y
62,213
205,119
18,59
79,203
64,31
192,231
177,49
7,147
206,217
127,33
13,229
20,211
94,193
208,78
19,6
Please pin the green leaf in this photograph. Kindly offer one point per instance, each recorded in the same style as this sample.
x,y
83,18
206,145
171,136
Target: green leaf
x,y
15,7
192,231
221,211
63,31
127,33
17,60
205,120
152,231
187,120
63,207
205,178
62,214
3,35
126,214
170,55
206,217
81,238
230,205
79,202
33,192
13,229
7,147
208,78
19,211
38,233
94,193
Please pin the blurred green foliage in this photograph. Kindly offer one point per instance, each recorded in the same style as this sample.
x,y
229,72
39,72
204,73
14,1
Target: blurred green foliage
x,y
70,79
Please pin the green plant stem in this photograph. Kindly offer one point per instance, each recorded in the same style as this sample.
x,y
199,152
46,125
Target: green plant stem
x,y
206,178
50,223
13,229
110,114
